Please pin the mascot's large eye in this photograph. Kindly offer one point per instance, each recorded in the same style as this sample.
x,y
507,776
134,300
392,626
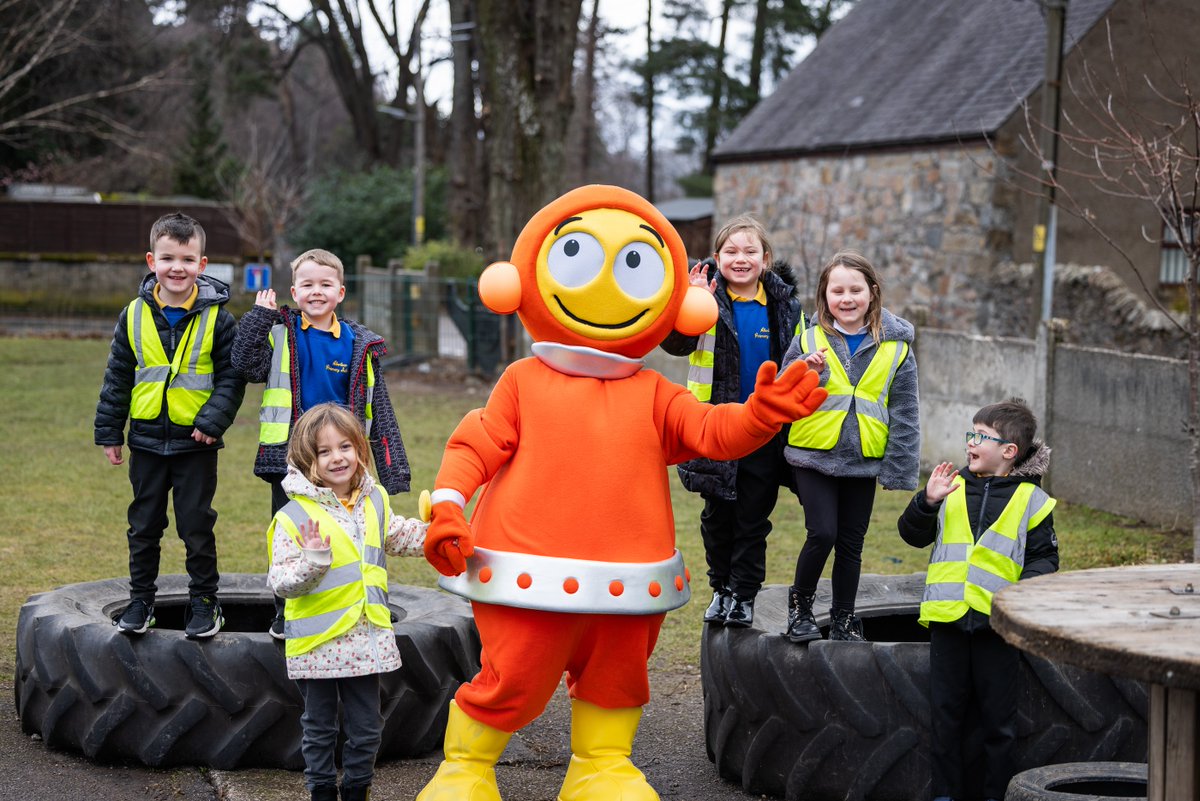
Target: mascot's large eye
x,y
639,270
575,259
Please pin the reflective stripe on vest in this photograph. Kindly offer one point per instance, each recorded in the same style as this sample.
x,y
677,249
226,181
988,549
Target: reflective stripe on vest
x,y
965,574
186,380
353,583
869,397
275,414
700,362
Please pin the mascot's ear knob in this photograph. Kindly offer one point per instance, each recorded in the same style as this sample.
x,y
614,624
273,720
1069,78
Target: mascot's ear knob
x,y
500,288
697,314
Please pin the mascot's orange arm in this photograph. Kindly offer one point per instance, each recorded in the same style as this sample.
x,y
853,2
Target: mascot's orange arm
x,y
481,443
692,429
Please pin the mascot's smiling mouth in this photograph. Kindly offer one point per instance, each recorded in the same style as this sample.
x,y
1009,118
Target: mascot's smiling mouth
x,y
625,324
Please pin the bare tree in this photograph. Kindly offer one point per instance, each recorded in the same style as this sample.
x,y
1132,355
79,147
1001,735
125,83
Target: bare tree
x,y
527,100
264,193
1137,138
38,36
465,198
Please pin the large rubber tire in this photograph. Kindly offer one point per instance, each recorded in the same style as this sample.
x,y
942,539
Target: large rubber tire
x,y
1080,781
226,702
844,721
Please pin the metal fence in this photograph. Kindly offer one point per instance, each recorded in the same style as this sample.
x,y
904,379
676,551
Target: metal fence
x,y
425,317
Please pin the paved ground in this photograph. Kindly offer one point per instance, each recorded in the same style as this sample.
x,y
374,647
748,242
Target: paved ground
x,y
669,749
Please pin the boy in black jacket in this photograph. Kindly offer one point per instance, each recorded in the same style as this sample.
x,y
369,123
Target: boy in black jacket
x,y
170,376
991,525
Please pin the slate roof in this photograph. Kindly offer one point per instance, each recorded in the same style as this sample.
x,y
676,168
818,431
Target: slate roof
x,y
895,72
686,209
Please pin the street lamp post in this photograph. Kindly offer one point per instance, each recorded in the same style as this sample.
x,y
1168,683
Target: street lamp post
x,y
418,203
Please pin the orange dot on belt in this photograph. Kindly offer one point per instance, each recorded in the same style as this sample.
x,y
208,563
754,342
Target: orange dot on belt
x,y
679,583
616,588
524,580
571,586
485,574
655,589
687,572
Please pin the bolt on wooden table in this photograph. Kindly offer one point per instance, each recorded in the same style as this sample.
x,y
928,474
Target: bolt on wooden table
x,y
1142,622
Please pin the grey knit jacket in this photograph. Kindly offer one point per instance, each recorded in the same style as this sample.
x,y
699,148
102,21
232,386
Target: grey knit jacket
x,y
898,468
252,359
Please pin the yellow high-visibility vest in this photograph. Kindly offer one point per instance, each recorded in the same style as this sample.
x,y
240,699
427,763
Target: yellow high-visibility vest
x,y
822,429
275,414
355,584
700,362
186,380
965,574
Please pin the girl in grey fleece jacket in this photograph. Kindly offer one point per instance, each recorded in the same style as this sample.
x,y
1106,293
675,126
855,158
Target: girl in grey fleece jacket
x,y
837,485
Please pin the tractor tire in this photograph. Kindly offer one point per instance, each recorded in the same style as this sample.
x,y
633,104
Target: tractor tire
x,y
841,720
1080,781
161,699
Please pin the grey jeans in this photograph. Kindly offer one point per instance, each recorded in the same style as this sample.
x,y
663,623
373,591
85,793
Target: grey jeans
x,y
361,720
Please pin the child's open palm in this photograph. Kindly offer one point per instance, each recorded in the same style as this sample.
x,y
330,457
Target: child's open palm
x,y
265,298
310,536
941,483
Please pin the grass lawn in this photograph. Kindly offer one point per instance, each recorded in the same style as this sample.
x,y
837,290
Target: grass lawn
x,y
64,505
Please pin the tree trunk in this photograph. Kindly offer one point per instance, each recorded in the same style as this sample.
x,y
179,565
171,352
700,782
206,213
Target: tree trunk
x,y
758,47
649,102
527,95
466,190
712,125
354,79
1193,423
587,97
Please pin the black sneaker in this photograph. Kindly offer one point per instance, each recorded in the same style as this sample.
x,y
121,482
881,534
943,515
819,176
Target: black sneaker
x,y
276,629
204,618
136,618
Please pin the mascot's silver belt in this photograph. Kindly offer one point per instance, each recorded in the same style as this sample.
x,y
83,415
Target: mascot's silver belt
x,y
559,584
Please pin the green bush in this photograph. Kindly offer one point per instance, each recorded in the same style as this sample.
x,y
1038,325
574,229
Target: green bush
x,y
453,261
367,213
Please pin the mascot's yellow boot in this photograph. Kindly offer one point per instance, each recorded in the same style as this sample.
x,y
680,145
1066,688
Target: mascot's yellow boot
x,y
467,773
601,742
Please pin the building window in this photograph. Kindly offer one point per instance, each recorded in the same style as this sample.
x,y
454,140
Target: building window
x,y
1173,266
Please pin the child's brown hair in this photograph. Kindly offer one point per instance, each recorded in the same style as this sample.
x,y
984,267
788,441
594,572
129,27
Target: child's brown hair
x,y
302,444
322,257
178,227
852,260
1013,420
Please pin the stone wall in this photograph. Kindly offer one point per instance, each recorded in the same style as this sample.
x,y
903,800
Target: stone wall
x,y
928,219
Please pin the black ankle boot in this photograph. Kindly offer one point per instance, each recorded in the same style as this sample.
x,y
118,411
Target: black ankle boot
x,y
719,607
361,792
801,625
845,626
741,612
325,792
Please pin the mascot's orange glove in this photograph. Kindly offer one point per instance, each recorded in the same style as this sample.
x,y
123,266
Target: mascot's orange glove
x,y
780,399
448,541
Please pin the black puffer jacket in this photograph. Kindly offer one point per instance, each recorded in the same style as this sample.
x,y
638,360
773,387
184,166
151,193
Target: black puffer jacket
x,y
986,499
160,435
252,359
719,479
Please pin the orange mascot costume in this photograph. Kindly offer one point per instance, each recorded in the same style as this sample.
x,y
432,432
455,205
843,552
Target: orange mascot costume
x,y
569,559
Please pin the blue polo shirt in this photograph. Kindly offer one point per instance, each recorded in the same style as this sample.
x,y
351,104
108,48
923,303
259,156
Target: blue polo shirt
x,y
754,337
323,361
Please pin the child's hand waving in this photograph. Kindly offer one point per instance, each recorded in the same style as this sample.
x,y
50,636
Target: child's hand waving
x,y
265,298
941,483
310,536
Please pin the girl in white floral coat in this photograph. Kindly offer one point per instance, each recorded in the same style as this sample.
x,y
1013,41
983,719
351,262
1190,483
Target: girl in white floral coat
x,y
328,547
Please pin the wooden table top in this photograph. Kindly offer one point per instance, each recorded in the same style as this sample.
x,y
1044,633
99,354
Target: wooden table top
x,y
1136,621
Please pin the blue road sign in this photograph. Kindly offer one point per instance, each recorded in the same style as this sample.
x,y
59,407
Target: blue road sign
x,y
258,277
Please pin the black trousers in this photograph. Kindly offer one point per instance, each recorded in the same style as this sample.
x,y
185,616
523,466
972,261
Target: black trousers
x,y
971,671
837,512
735,532
191,480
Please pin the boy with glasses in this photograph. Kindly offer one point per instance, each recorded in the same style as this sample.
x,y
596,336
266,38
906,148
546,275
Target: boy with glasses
x,y
991,525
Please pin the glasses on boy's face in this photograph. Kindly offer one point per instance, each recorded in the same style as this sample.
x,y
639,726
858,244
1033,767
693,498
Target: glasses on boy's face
x,y
976,438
